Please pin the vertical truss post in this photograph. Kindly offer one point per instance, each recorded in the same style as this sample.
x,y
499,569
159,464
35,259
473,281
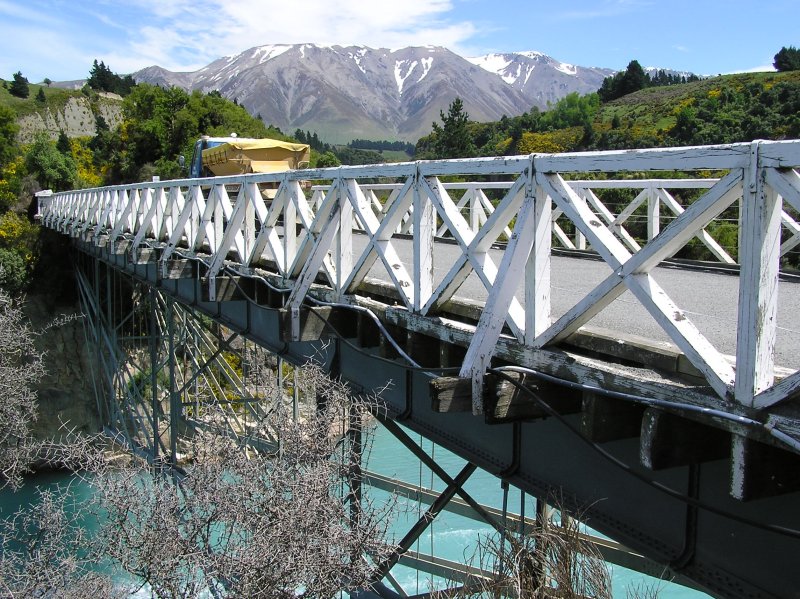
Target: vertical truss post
x,y
424,215
653,213
174,397
538,266
151,341
759,259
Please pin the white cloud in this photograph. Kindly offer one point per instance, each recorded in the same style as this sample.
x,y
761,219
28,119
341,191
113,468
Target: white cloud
x,y
180,34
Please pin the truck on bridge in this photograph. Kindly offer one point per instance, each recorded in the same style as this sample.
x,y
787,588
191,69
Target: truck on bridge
x,y
223,156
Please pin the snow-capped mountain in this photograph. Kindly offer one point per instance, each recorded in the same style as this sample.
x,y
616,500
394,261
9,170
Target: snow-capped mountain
x,y
351,92
540,78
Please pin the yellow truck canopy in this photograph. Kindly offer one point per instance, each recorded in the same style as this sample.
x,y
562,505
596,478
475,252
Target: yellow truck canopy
x,y
242,155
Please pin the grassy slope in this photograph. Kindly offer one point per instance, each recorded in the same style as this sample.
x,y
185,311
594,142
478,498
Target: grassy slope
x,y
55,99
655,108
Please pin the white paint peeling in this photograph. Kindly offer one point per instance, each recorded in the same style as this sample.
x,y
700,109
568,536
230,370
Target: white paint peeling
x,y
154,205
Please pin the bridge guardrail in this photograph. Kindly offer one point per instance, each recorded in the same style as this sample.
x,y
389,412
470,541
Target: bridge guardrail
x,y
529,201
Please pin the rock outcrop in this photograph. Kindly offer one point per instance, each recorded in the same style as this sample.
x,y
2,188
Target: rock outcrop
x,y
77,118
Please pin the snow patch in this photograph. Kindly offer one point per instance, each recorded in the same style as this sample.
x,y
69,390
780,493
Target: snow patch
x,y
567,68
532,54
528,74
509,76
494,63
427,63
402,71
269,52
310,46
357,57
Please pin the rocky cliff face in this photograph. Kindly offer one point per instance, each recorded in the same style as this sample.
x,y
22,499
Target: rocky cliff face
x,y
66,393
76,119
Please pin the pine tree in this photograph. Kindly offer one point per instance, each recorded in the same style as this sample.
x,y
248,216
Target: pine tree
x,y
19,86
453,138
787,59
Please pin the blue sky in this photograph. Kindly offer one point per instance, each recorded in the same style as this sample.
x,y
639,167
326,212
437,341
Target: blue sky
x,y
59,39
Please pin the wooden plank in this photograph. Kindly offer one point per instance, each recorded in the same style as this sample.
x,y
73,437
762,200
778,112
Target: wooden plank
x,y
313,324
178,269
451,395
120,246
508,402
368,333
788,387
423,241
669,441
145,255
423,349
228,289
721,157
596,372
576,209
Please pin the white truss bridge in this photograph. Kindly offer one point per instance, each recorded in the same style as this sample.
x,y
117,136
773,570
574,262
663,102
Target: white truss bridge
x,y
373,238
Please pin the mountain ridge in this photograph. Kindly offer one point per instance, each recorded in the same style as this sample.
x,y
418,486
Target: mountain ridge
x,y
346,92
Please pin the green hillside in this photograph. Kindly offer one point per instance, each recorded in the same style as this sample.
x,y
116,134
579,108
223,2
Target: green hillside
x,y
55,99
722,109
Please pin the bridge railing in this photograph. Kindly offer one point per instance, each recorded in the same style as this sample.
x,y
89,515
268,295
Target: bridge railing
x,y
524,201
635,221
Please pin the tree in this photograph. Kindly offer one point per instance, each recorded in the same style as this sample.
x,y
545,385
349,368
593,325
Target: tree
x,y
250,522
40,96
787,59
19,86
102,78
632,79
8,134
328,159
62,143
453,138
552,560
47,81
51,168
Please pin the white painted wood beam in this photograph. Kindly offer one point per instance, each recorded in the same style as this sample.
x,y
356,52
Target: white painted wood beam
x,y
423,240
538,269
501,299
759,259
713,246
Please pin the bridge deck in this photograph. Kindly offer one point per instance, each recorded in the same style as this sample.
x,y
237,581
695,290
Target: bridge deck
x,y
709,294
